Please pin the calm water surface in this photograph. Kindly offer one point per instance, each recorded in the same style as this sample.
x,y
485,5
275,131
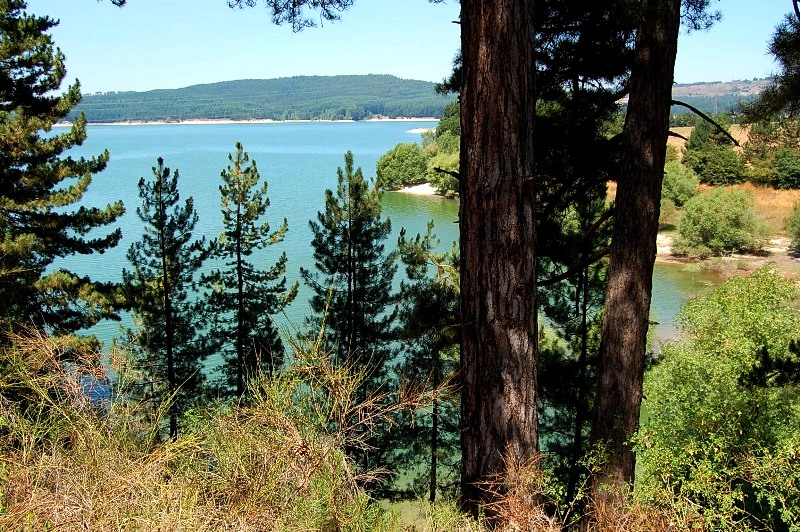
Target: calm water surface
x,y
299,161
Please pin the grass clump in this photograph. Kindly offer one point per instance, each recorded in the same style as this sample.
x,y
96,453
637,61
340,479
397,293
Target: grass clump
x,y
277,463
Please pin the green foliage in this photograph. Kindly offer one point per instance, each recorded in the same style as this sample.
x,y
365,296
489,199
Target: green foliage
x,y
402,166
713,444
720,222
766,139
165,261
672,154
440,149
680,183
444,182
447,143
353,280
352,301
710,155
786,168
717,165
243,298
793,226
294,98
568,347
669,215
450,121
427,443
40,188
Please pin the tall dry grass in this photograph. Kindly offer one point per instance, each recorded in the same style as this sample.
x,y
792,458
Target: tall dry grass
x,y
274,464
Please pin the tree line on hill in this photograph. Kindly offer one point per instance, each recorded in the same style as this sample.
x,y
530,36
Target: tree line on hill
x,y
353,97
721,437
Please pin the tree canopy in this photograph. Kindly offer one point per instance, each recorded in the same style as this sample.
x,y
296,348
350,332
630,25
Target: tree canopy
x,y
42,217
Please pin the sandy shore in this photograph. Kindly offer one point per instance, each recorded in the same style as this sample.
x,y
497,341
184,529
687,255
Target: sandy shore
x,y
212,121
424,189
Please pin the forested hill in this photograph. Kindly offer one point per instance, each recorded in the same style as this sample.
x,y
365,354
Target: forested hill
x,y
295,98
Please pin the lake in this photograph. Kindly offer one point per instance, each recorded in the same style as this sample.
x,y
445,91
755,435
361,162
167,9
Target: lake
x,y
299,161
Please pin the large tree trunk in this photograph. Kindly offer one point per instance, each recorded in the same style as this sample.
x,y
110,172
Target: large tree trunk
x,y
633,249
498,349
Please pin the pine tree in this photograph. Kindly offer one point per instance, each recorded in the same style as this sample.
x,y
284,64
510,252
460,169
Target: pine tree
x,y
428,444
165,262
243,299
353,288
568,346
353,282
40,189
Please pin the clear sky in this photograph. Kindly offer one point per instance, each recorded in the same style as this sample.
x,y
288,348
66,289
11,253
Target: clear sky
x,y
152,44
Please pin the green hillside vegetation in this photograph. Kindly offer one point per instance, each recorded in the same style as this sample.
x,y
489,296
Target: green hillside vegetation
x,y
295,98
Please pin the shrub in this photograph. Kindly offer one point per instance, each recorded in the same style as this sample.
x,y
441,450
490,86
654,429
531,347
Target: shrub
x,y
717,165
793,226
718,443
720,222
785,169
444,183
710,154
680,183
669,214
450,121
403,165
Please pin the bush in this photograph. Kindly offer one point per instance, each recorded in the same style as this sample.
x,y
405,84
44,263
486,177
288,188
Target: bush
x,y
669,215
444,183
680,183
718,444
404,165
717,165
793,226
720,222
712,157
451,120
785,169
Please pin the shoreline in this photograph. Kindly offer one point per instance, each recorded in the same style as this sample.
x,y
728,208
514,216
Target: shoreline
x,y
425,189
229,121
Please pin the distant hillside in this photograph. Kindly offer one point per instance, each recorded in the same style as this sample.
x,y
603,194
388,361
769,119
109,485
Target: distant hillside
x,y
295,98
717,96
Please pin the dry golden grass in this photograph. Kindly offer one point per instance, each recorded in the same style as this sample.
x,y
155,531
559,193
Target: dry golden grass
x,y
772,206
272,465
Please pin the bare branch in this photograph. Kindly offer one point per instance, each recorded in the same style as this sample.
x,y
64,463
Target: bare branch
x,y
708,119
673,134
448,172
796,9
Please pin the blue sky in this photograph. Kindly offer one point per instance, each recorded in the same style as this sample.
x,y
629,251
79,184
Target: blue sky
x,y
152,44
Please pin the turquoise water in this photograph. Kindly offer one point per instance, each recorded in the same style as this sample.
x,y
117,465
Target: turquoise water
x,y
299,161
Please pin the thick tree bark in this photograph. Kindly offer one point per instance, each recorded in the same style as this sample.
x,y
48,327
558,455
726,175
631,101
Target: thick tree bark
x,y
633,249
498,290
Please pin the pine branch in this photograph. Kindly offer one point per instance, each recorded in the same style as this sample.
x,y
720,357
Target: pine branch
x,y
591,259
